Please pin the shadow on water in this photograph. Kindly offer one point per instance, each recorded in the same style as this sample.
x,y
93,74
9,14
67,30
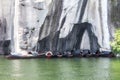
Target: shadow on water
x,y
60,69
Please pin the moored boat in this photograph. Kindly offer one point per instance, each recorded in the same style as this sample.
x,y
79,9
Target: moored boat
x,y
49,54
22,57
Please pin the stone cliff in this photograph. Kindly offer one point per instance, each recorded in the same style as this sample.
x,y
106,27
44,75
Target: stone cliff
x,y
57,25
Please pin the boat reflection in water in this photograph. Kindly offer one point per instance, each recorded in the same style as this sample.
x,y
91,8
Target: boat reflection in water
x,y
60,69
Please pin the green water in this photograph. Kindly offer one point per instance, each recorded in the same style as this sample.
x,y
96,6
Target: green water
x,y
60,69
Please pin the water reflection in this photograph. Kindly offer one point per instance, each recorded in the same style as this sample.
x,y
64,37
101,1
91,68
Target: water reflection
x,y
115,69
16,67
60,69
85,69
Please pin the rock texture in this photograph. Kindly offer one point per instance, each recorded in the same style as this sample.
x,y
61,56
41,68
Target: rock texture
x,y
57,25
115,10
69,25
6,24
29,16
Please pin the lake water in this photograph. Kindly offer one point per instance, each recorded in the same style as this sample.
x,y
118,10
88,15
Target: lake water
x,y
60,69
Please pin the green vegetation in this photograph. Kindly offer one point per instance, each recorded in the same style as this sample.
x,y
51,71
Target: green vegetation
x,y
116,43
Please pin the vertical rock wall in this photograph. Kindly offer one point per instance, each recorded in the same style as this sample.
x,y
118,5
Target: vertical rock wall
x,y
57,24
70,21
6,24
6,18
29,16
114,10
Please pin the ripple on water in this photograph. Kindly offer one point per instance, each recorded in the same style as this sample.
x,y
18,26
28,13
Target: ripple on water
x,y
60,69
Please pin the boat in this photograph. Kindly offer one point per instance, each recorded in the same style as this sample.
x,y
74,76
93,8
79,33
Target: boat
x,y
59,55
26,56
49,54
22,57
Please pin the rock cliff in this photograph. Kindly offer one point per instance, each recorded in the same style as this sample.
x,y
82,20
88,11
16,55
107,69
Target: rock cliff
x,y
75,24
57,25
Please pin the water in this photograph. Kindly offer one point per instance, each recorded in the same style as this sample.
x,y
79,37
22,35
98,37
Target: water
x,y
60,69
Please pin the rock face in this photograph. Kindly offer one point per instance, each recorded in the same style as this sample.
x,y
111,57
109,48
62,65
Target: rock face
x,y
115,10
56,25
81,24
29,16
6,24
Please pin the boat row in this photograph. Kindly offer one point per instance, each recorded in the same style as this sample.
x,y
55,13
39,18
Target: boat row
x,y
66,54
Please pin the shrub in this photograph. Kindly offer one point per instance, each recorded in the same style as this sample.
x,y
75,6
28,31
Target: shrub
x,y
115,44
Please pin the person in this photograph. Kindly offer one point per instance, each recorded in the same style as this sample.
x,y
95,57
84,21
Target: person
x,y
34,53
49,54
69,54
72,52
29,53
97,53
89,54
111,54
59,54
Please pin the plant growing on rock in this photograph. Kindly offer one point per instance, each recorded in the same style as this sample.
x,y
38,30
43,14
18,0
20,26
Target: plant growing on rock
x,y
116,42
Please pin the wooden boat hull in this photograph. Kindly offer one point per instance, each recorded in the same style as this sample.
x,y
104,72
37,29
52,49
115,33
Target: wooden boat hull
x,y
22,57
